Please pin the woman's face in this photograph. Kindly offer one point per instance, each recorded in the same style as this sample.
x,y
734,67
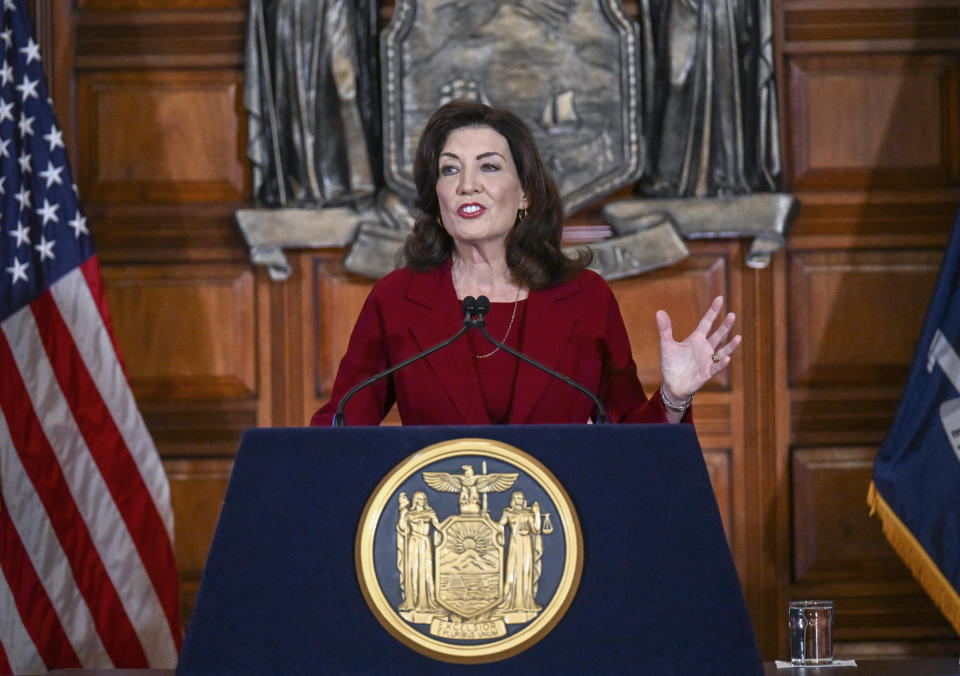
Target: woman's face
x,y
478,187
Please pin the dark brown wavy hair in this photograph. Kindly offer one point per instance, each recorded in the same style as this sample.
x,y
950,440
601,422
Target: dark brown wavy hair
x,y
534,255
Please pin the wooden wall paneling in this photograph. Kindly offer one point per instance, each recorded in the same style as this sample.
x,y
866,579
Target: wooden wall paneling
x,y
267,347
685,291
280,318
767,437
188,338
719,467
756,417
187,331
854,122
160,137
187,335
835,540
205,34
197,488
877,220
183,7
198,428
880,622
903,21
871,126
181,73
855,315
148,95
336,298
840,553
158,234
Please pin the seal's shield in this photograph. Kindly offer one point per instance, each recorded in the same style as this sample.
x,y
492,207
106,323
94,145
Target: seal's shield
x,y
469,565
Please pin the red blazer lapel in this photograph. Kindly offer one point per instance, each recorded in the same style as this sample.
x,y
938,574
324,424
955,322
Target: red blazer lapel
x,y
547,328
452,365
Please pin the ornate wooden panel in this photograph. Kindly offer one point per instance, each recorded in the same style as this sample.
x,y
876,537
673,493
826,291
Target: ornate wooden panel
x,y
854,121
855,315
834,539
160,137
187,331
197,488
870,93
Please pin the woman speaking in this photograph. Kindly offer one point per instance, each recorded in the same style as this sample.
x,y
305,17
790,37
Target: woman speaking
x,y
490,223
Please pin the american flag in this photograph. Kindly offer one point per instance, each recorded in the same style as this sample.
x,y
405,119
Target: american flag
x,y
87,571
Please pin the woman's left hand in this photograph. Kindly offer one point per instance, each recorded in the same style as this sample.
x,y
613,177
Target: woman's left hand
x,y
687,365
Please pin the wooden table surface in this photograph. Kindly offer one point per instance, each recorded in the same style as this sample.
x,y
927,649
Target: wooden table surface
x,y
917,666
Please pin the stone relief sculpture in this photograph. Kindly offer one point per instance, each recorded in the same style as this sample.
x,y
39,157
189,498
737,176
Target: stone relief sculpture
x,y
712,127
711,131
311,97
567,67
680,102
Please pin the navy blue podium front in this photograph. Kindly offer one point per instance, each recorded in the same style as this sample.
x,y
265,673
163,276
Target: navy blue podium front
x,y
658,594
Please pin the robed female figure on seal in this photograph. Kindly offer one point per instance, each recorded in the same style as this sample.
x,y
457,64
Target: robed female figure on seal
x,y
523,560
415,555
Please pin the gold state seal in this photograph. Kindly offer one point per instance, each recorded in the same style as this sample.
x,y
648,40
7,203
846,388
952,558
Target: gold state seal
x,y
469,551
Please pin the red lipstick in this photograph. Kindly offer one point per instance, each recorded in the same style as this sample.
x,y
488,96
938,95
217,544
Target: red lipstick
x,y
470,210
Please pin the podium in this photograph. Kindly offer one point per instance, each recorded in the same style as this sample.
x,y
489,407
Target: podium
x,y
658,593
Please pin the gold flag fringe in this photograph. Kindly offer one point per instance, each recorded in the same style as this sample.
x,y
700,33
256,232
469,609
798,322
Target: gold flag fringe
x,y
926,572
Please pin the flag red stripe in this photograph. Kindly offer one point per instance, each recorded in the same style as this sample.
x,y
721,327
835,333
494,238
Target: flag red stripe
x,y
40,463
91,273
36,611
113,458
5,667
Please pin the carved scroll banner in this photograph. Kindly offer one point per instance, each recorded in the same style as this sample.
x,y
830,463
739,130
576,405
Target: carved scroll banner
x,y
764,216
269,231
650,241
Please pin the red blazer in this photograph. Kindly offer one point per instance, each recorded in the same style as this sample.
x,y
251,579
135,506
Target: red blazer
x,y
574,328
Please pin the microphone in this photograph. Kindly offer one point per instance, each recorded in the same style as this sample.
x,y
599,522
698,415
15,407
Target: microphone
x,y
482,307
469,308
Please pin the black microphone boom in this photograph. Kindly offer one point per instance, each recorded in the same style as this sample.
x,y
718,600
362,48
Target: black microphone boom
x,y
477,321
469,307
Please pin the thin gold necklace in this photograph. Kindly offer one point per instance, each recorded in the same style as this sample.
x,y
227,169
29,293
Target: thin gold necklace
x,y
509,326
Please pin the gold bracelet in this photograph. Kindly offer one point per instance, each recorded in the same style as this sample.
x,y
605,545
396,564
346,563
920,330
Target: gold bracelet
x,y
676,408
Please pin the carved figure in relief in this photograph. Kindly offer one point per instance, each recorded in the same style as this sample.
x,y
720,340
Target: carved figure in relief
x,y
415,555
523,559
311,100
711,99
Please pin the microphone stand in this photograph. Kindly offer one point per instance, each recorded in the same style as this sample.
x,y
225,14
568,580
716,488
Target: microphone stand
x,y
469,307
478,322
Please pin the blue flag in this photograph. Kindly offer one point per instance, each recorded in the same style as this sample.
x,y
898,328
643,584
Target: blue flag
x,y
916,476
